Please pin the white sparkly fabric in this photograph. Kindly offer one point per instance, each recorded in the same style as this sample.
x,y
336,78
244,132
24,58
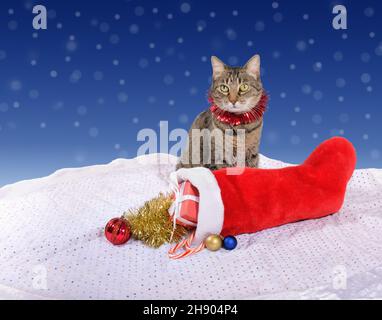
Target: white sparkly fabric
x,y
52,244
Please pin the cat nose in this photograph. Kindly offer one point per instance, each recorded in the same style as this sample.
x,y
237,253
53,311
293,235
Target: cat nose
x,y
233,100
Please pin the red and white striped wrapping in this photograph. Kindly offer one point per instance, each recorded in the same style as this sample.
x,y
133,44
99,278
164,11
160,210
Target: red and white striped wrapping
x,y
186,245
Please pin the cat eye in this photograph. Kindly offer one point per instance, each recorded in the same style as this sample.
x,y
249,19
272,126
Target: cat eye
x,y
223,89
244,88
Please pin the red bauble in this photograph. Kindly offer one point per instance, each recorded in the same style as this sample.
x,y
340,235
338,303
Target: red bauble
x,y
117,231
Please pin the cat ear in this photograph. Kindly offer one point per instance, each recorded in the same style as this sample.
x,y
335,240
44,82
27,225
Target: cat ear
x,y
253,66
217,66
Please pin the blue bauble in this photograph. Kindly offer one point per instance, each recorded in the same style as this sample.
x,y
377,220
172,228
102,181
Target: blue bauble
x,y
229,243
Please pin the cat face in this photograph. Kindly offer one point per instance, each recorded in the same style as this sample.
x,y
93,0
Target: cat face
x,y
236,89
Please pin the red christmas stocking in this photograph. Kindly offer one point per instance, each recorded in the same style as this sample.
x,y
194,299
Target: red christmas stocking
x,y
256,199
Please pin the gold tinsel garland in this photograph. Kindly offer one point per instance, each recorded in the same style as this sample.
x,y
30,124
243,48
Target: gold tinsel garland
x,y
151,223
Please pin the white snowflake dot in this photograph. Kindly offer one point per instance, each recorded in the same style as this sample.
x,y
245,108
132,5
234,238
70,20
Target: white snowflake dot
x,y
134,29
93,132
139,11
338,56
259,26
369,12
278,17
317,66
185,7
365,77
54,74
301,45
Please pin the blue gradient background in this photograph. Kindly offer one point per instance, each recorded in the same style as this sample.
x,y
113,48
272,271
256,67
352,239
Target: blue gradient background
x,y
152,64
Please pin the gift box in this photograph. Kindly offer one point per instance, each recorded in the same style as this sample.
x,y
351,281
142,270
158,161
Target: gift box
x,y
186,205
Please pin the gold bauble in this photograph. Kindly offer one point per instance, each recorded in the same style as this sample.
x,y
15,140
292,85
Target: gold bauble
x,y
213,242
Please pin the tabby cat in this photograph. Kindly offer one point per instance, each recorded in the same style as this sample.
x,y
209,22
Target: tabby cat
x,y
238,102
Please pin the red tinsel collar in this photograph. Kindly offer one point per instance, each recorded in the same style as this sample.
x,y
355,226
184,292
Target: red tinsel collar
x,y
235,119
